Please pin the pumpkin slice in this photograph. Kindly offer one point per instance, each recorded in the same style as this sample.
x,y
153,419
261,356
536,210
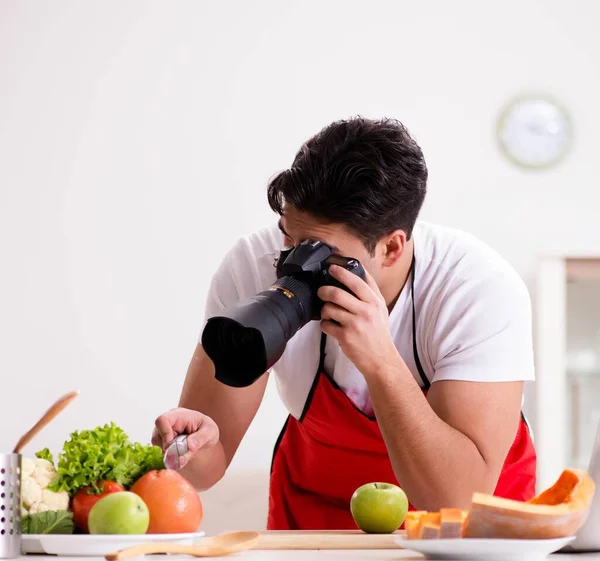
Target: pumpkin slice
x,y
448,523
430,526
558,512
452,523
412,524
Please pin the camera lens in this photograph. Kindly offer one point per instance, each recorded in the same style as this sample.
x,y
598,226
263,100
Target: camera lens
x,y
250,335
236,338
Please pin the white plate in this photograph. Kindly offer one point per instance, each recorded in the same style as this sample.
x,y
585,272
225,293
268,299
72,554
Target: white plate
x,y
488,549
96,545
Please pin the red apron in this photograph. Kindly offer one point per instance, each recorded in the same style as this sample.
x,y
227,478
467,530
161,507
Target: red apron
x,y
334,447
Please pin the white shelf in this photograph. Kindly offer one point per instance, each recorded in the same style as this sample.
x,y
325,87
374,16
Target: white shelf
x,y
565,429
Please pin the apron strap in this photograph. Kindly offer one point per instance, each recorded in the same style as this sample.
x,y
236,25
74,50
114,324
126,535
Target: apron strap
x,y
426,384
322,353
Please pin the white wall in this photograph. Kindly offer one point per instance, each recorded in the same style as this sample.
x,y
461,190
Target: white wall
x,y
136,139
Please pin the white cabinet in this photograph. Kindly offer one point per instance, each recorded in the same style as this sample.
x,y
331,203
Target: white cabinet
x,y
567,335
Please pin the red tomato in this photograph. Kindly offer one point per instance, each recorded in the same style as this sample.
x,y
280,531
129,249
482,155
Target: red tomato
x,y
84,501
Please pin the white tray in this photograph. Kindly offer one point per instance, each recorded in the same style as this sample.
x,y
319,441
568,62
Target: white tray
x,y
83,545
488,549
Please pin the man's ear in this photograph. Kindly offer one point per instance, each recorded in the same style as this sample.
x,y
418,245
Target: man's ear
x,y
392,247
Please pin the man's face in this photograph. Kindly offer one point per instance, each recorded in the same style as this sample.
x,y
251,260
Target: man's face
x,y
297,226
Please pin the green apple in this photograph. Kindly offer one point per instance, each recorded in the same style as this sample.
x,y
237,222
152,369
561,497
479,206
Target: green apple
x,y
379,508
119,513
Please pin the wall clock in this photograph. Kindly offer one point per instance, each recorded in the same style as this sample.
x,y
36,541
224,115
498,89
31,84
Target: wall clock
x,y
534,131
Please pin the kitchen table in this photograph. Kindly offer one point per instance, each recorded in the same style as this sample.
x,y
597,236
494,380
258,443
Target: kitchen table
x,y
313,555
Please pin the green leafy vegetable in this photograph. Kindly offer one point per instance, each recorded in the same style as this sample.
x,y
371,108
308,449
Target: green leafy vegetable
x,y
45,454
49,522
103,454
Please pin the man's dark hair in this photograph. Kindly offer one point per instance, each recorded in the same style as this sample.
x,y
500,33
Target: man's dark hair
x,y
368,175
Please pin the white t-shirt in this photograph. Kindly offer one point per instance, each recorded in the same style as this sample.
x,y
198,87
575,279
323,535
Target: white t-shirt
x,y
473,315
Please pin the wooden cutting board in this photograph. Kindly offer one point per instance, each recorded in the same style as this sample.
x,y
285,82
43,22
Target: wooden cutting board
x,y
326,539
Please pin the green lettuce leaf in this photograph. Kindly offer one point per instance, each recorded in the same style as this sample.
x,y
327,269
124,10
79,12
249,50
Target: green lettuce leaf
x,y
49,522
45,454
103,454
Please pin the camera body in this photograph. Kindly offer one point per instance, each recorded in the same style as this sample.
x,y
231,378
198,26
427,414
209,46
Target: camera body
x,y
250,335
309,263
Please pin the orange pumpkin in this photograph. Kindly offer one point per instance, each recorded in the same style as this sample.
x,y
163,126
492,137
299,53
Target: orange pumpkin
x,y
448,523
558,512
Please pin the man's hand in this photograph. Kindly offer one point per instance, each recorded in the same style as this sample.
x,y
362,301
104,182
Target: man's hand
x,y
202,431
358,322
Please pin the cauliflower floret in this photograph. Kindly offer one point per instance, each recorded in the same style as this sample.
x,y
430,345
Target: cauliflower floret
x,y
31,492
44,473
36,476
55,500
27,467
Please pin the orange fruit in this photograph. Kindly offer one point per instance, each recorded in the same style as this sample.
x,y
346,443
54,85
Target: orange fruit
x,y
175,506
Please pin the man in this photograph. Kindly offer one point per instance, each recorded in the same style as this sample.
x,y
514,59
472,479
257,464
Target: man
x,y
415,378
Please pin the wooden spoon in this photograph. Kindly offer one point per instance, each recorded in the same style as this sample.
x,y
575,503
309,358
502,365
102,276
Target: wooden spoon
x,y
223,544
58,406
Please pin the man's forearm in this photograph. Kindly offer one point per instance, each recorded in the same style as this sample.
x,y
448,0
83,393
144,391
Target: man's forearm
x,y
206,468
435,464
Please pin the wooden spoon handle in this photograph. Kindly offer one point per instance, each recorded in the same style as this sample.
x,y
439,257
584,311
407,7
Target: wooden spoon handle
x,y
56,408
156,547
217,546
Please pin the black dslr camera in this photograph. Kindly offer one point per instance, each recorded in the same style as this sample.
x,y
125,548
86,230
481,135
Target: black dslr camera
x,y
249,336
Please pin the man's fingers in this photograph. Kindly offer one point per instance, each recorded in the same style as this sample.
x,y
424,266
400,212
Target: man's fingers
x,y
340,297
205,436
176,422
358,286
156,438
372,284
336,313
331,328
163,431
